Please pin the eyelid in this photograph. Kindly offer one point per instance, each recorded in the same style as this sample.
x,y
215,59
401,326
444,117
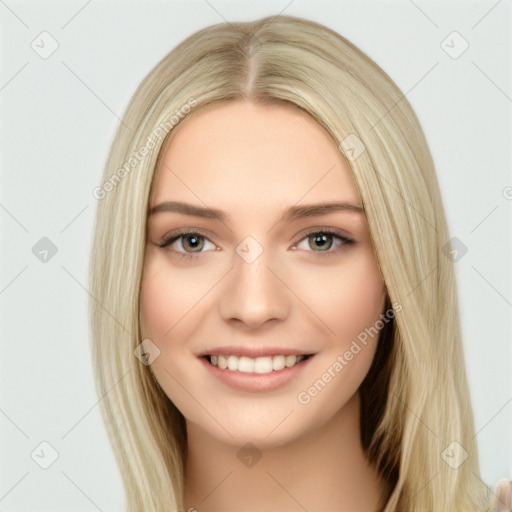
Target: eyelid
x,y
323,229
175,235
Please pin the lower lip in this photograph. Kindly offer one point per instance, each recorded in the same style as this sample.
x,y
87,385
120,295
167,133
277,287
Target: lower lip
x,y
256,382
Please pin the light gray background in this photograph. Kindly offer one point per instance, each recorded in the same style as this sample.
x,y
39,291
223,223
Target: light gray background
x,y
58,117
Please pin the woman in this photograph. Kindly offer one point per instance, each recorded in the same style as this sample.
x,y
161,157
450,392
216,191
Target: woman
x,y
275,322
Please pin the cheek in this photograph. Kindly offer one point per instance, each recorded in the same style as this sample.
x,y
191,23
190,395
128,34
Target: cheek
x,y
349,299
351,306
173,306
174,303
169,298
158,306
164,320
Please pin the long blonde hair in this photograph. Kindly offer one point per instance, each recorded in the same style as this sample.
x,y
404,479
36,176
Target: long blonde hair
x,y
416,413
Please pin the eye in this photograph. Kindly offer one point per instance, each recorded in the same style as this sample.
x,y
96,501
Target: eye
x,y
186,239
324,239
189,243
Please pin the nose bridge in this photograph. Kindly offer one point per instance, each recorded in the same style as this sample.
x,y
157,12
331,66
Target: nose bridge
x,y
253,294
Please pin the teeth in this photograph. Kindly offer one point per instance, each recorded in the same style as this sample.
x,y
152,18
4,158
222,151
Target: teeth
x,y
258,365
232,363
263,365
290,360
278,362
245,364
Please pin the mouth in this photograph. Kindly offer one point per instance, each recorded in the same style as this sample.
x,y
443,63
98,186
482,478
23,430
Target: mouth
x,y
255,369
257,365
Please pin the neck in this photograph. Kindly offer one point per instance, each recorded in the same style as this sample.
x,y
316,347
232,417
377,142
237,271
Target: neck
x,y
321,471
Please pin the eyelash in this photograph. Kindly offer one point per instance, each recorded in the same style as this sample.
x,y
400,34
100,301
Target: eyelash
x,y
325,231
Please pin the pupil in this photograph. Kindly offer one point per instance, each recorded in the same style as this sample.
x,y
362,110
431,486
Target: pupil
x,y
322,239
194,239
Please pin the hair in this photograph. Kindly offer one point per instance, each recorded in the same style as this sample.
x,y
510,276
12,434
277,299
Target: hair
x,y
415,399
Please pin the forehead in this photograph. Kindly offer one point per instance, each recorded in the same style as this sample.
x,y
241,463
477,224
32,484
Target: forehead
x,y
252,154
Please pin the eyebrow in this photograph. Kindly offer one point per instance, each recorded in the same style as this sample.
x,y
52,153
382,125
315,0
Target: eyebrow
x,y
290,214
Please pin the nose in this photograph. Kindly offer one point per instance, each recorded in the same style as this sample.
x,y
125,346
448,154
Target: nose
x,y
254,293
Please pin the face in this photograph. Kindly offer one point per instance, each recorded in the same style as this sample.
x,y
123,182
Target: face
x,y
254,272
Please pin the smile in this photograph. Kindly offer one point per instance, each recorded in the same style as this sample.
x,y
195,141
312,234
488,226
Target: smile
x,y
258,374
260,365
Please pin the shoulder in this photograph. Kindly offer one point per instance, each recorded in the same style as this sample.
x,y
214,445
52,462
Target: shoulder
x,y
502,499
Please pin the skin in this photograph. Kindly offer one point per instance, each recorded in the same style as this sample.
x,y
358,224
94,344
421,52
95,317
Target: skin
x,y
254,161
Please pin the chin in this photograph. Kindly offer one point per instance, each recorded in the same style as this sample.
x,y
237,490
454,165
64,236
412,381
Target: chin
x,y
265,427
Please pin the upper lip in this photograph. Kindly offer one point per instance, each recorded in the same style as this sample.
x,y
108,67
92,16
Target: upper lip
x,y
253,352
